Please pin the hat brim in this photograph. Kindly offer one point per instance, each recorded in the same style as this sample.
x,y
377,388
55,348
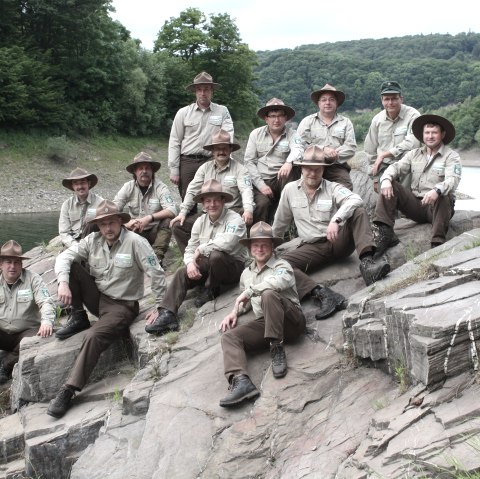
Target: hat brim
x,y
391,92
198,198
154,164
4,256
192,86
339,95
315,163
263,112
125,217
67,182
422,120
247,241
234,146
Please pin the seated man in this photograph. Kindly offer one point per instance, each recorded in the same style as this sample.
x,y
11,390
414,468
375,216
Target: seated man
x,y
213,257
26,307
234,178
436,171
268,286
76,212
330,220
118,260
269,156
149,203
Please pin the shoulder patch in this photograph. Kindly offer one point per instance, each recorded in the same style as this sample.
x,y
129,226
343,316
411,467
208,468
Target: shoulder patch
x,y
231,228
45,293
457,169
280,271
344,191
152,260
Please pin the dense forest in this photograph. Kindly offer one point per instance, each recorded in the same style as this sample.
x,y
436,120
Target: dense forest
x,y
68,68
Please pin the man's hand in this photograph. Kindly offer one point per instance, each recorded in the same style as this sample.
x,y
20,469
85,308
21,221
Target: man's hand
x,y
267,191
387,189
284,171
143,222
45,330
330,152
133,225
379,161
192,271
229,322
175,179
64,294
430,198
332,231
179,218
151,316
247,217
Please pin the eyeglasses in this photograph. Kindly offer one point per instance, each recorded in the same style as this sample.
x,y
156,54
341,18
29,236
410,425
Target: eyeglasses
x,y
275,117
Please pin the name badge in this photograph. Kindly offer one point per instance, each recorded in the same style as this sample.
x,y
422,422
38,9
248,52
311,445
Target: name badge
x,y
154,204
24,295
324,205
401,130
230,181
91,212
123,260
215,120
283,146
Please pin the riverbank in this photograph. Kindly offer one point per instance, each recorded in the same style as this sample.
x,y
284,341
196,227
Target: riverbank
x,y
33,167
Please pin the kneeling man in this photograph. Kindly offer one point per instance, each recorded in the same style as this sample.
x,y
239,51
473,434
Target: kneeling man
x,y
268,286
25,303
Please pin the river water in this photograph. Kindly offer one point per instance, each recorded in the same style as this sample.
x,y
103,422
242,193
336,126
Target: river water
x,y
32,229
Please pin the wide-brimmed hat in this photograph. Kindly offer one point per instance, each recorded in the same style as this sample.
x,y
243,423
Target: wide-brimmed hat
x,y
221,137
108,208
275,104
422,120
261,230
212,187
143,157
339,95
203,78
314,156
390,87
11,249
79,174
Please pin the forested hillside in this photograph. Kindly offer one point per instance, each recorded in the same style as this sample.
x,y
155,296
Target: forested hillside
x,y
436,72
68,68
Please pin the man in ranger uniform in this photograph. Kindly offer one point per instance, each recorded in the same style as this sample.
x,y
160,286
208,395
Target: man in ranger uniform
x,y
79,209
436,171
332,132
149,203
192,127
233,177
269,156
26,307
119,260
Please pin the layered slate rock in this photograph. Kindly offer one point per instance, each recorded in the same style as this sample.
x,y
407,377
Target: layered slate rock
x,y
431,327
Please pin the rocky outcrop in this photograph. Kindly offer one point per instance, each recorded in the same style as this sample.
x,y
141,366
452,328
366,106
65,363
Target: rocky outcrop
x,y
152,410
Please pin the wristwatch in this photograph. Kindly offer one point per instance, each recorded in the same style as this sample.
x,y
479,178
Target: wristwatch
x,y
338,220
438,191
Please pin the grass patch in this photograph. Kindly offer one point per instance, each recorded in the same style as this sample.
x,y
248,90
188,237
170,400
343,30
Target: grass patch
x,y
380,403
402,376
473,244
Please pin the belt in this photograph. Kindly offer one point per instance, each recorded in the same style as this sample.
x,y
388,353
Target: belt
x,y
197,157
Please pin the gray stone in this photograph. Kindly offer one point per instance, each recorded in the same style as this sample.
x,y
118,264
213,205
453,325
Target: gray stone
x,y
11,438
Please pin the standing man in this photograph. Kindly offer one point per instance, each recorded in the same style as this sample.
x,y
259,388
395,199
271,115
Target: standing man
x,y
233,177
118,260
26,307
331,223
269,156
268,286
149,203
79,208
214,256
192,128
436,171
390,134
332,132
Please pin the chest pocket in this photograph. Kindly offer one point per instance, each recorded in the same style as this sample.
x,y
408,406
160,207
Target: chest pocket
x,y
154,204
24,295
98,265
123,260
339,133
300,208
324,209
2,298
215,120
74,216
230,181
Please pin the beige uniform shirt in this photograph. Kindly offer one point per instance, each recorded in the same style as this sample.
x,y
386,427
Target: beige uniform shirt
x,y
131,200
443,171
394,136
223,235
118,271
192,128
339,135
263,157
277,275
74,215
331,201
234,178
26,305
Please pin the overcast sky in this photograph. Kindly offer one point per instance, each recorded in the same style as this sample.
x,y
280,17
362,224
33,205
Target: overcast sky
x,y
269,25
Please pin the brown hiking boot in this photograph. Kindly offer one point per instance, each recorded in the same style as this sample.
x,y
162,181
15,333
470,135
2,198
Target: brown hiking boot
x,y
241,389
386,239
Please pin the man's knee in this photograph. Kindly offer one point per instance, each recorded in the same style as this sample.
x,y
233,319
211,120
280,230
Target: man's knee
x,y
269,295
